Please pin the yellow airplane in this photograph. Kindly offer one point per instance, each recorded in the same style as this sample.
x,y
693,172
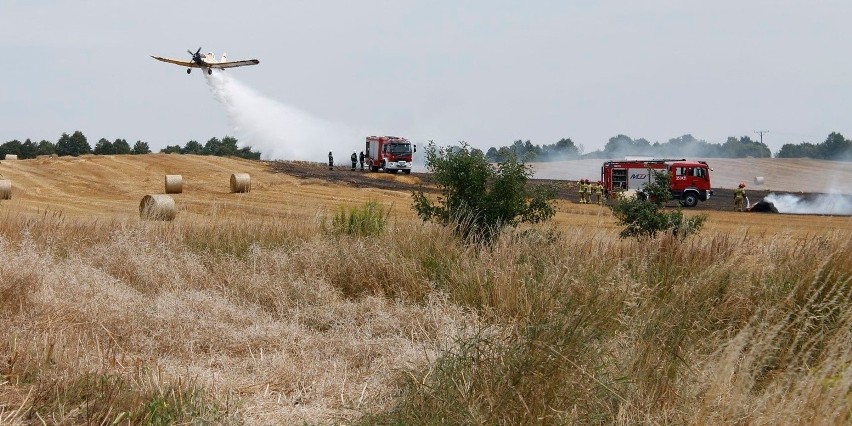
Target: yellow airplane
x,y
206,62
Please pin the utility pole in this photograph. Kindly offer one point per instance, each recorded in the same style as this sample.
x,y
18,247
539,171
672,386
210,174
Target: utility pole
x,y
761,132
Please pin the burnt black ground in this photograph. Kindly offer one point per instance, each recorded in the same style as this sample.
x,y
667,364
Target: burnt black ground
x,y
722,200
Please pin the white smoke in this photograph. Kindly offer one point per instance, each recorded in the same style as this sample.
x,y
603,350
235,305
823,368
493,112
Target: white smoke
x,y
278,131
835,204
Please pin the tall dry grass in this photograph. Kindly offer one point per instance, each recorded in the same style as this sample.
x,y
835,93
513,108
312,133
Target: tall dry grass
x,y
278,322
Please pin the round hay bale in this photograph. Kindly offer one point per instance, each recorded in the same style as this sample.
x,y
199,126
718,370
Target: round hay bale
x,y
758,180
157,207
240,182
174,184
10,157
5,189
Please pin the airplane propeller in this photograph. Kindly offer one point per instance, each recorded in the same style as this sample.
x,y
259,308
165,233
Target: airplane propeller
x,y
195,55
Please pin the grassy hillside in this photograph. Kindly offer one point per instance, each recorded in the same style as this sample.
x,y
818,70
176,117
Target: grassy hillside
x,y
249,309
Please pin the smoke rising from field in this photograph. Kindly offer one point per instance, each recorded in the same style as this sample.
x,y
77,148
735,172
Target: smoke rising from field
x,y
279,131
836,204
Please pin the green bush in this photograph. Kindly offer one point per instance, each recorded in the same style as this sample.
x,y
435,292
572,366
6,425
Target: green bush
x,y
370,219
646,215
477,198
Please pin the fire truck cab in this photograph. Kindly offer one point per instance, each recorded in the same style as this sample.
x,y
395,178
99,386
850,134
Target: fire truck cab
x,y
690,180
389,153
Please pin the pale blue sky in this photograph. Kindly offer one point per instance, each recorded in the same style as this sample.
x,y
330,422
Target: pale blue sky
x,y
487,72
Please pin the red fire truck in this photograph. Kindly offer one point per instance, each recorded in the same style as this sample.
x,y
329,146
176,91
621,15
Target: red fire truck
x,y
690,180
389,153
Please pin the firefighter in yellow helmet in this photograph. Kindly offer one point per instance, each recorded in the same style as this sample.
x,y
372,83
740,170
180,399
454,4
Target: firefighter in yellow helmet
x,y
581,188
599,189
739,196
590,188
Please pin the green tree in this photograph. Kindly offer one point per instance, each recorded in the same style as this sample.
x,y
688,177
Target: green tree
x,y
193,147
563,149
121,147
12,147
73,145
63,145
247,153
80,144
646,216
46,147
492,155
802,150
104,147
477,198
213,146
29,149
229,146
836,147
172,149
744,147
141,148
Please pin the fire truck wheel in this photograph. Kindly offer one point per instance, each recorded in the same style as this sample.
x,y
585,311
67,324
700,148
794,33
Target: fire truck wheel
x,y
690,199
374,169
407,171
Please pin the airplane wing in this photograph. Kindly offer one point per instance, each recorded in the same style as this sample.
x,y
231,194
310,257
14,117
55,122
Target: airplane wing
x,y
177,62
234,64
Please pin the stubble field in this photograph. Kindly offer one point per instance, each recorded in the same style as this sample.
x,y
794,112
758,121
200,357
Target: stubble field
x,y
249,308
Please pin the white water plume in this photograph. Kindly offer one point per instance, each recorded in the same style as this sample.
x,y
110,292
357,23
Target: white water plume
x,y
834,204
279,131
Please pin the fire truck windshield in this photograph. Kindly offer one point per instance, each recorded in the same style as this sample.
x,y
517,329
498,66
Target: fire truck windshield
x,y
399,148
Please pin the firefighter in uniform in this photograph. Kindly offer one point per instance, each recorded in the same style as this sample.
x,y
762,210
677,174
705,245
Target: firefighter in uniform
x,y
330,161
354,158
739,196
361,160
588,191
599,192
581,187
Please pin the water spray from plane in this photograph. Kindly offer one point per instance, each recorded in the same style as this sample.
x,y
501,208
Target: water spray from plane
x,y
279,131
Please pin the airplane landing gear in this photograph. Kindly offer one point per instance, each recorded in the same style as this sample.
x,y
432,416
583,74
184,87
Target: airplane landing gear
x,y
209,71
188,70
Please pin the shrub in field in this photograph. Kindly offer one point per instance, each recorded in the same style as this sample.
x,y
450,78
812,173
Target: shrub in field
x,y
645,216
369,219
477,198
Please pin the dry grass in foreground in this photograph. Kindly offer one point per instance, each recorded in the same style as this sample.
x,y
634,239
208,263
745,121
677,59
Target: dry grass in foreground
x,y
283,322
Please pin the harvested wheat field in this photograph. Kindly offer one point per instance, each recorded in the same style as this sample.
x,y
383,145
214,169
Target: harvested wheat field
x,y
268,307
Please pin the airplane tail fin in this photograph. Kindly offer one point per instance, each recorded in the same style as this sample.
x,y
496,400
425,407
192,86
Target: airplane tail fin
x,y
224,57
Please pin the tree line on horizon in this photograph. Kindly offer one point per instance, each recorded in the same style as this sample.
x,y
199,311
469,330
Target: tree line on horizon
x,y
835,147
76,144
225,147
